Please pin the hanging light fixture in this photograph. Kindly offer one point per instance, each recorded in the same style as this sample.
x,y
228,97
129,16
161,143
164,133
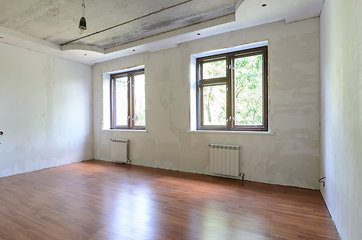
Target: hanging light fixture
x,y
82,22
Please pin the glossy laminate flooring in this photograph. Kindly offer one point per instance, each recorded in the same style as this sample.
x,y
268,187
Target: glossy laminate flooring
x,y
102,200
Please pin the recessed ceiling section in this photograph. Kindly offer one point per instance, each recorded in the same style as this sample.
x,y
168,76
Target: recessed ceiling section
x,y
152,25
127,20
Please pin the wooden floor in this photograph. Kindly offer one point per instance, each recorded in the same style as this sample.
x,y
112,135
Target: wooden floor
x,y
101,200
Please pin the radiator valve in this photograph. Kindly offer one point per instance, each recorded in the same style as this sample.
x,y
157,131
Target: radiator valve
x,y
242,176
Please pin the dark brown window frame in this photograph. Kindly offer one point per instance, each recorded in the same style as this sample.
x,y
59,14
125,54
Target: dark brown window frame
x,y
130,95
229,81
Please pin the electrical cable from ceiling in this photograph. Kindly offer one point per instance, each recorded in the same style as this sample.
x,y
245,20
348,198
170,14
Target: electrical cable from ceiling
x,y
82,22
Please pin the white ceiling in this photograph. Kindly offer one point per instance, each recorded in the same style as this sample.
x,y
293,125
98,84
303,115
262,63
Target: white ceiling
x,y
121,28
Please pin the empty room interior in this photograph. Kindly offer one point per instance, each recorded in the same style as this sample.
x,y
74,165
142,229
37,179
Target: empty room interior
x,y
180,119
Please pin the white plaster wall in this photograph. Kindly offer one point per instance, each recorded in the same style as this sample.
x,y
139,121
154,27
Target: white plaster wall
x,y
290,157
341,77
45,111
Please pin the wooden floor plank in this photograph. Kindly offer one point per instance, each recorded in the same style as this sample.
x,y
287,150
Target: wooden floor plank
x,y
101,200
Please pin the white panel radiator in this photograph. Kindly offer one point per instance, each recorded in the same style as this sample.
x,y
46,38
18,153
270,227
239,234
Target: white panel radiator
x,y
119,150
224,159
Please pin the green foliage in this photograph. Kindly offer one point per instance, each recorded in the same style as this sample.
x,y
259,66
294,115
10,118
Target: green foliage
x,y
215,105
214,69
248,92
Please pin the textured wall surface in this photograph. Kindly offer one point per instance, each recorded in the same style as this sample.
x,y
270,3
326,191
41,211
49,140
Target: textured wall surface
x,y
45,111
341,151
290,157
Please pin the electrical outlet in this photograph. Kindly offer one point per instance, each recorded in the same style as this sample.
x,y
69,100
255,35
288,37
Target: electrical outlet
x,y
322,180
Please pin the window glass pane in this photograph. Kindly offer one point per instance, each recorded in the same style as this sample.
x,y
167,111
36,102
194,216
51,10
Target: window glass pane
x,y
214,105
121,101
215,69
139,100
249,90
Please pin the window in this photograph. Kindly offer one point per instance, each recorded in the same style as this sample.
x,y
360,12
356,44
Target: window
x,y
128,100
232,91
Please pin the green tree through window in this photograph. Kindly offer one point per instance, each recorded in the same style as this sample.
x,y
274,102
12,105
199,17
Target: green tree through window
x,y
232,91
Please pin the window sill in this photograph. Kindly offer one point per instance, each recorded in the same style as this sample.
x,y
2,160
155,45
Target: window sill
x,y
123,130
233,132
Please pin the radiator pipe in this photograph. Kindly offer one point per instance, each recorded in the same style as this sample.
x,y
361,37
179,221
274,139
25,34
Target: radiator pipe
x,y
224,146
